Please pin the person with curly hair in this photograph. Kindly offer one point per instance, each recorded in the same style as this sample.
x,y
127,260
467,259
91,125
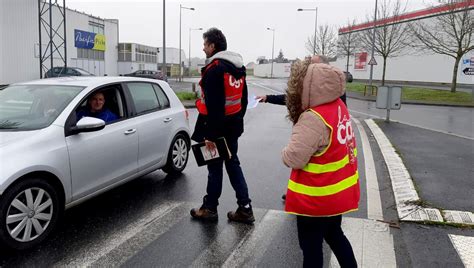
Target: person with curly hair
x,y
324,181
280,99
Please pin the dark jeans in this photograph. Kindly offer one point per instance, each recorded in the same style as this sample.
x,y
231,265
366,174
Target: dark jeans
x,y
312,231
214,179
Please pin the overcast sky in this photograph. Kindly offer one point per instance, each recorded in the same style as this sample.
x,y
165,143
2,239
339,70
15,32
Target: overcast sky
x,y
243,22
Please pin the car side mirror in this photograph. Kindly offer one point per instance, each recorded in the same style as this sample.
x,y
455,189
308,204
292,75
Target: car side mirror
x,y
88,124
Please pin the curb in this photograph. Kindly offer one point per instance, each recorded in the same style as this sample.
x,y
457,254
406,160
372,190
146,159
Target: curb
x,y
404,191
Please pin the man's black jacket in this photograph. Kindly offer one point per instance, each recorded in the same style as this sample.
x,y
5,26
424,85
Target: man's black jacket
x,y
216,124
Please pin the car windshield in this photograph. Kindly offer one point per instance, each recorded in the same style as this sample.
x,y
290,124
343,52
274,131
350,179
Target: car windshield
x,y
30,107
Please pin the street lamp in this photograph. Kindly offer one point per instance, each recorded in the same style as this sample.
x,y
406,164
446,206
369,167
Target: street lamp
x,y
189,54
180,9
315,24
273,46
373,46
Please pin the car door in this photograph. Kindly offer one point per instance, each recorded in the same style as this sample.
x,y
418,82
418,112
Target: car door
x,y
101,158
154,124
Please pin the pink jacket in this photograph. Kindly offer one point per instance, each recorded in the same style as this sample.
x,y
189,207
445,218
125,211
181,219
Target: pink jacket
x,y
322,84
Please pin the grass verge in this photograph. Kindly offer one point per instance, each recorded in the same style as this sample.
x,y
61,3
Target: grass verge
x,y
425,95
186,95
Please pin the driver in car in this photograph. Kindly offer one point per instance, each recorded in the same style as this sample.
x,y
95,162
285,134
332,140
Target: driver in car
x,y
95,108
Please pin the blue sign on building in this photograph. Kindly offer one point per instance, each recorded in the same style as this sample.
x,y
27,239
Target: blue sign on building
x,y
83,39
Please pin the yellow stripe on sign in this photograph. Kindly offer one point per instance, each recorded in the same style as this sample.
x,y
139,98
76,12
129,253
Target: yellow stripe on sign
x,y
329,167
325,190
99,42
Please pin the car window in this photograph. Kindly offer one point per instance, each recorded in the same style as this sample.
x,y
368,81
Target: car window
x,y
164,101
70,71
143,96
104,103
29,107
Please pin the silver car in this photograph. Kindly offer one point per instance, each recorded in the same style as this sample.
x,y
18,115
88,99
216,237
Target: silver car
x,y
57,149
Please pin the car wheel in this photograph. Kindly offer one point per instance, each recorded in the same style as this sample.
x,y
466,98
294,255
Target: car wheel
x,y
29,212
178,155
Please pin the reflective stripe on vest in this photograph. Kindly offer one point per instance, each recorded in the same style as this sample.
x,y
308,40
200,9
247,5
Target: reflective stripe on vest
x,y
325,190
329,167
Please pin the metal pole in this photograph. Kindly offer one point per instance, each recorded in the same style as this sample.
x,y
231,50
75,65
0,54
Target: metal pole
x,y
179,75
273,47
51,33
373,46
65,42
189,54
315,31
40,48
389,101
163,68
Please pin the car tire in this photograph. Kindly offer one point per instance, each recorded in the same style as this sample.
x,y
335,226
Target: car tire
x,y
29,211
178,155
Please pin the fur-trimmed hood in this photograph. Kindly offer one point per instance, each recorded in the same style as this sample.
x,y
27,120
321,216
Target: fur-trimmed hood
x,y
232,57
312,84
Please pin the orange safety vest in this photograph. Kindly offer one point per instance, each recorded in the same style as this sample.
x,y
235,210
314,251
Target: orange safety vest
x,y
329,184
233,93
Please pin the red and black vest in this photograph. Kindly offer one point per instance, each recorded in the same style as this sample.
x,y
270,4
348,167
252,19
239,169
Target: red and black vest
x,y
233,92
329,184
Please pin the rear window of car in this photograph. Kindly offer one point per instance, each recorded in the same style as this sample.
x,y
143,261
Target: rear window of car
x,y
164,101
144,97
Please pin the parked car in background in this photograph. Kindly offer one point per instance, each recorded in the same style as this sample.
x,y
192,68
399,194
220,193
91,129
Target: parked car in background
x,y
349,77
51,161
68,71
148,74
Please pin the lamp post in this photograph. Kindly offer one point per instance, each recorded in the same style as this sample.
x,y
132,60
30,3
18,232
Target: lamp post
x,y
273,46
180,9
373,46
189,54
315,24
163,67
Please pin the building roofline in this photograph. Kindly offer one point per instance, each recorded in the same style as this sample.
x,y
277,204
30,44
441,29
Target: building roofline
x,y
410,16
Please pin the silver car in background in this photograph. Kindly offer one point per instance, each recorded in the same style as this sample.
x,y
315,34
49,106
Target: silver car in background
x,y
51,161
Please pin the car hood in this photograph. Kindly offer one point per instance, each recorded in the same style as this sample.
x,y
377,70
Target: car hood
x,y
9,137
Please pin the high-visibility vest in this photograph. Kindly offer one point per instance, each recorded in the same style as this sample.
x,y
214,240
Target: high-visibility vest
x,y
233,92
329,184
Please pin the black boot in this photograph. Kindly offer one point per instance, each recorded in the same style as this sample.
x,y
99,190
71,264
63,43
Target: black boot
x,y
243,214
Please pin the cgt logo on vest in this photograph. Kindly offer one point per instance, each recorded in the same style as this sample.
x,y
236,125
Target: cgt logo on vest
x,y
234,82
345,133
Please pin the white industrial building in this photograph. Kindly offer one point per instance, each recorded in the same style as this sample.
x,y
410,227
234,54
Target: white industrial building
x,y
19,41
133,57
410,66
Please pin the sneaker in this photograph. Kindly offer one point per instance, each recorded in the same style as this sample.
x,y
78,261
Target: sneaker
x,y
204,214
283,197
242,214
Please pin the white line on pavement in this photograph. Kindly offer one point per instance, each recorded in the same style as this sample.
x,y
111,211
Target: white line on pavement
x,y
464,245
374,203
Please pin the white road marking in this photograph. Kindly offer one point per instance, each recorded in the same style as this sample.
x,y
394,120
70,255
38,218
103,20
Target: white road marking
x,y
374,203
87,257
464,245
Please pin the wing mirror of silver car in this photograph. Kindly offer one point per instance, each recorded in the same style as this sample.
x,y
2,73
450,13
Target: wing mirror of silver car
x,y
88,124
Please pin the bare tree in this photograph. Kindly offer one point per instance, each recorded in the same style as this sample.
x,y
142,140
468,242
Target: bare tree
x,y
348,42
326,42
391,36
449,34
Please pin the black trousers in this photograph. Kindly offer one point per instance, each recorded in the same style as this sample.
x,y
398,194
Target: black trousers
x,y
312,231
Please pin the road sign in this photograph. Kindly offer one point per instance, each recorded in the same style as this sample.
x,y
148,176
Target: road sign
x,y
468,71
372,61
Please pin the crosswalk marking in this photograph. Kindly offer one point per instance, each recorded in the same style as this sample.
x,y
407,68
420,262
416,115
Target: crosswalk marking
x,y
464,245
94,252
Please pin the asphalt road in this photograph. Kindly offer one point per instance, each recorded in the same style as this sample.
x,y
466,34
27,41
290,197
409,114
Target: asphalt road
x,y
146,222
